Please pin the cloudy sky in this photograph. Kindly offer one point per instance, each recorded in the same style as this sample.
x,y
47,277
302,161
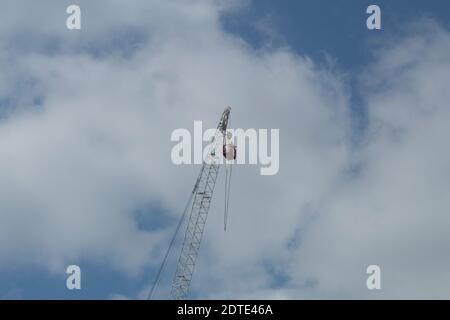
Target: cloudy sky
x,y
86,176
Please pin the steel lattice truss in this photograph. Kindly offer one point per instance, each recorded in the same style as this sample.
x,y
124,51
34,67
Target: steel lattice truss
x,y
197,220
203,192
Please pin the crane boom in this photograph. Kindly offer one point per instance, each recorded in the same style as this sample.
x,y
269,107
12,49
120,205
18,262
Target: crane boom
x,y
203,192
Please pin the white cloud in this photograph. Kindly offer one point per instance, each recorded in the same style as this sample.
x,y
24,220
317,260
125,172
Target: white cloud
x,y
74,171
394,213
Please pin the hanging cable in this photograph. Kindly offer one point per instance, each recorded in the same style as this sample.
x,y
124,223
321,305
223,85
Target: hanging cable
x,y
225,213
228,173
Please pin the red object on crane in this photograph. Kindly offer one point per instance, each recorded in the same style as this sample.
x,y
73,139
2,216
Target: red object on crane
x,y
229,151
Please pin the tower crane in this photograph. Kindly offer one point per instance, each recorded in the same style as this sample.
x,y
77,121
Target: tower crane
x,y
201,197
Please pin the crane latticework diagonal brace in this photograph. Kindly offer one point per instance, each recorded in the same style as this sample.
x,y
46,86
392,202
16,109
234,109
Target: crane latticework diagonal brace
x,y
196,224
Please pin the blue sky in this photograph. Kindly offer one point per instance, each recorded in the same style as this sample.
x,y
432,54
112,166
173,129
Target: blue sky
x,y
336,29
323,31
